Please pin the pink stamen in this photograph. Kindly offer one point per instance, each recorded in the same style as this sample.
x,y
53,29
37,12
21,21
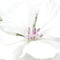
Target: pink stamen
x,y
34,33
28,33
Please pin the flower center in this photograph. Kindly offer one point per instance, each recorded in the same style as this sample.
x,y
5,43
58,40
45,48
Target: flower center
x,y
34,35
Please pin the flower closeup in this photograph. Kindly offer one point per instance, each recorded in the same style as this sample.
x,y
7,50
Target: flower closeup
x,y
39,42
32,35
33,45
22,30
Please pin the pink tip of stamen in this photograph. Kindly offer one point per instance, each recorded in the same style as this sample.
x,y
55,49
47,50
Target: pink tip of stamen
x,y
34,34
34,31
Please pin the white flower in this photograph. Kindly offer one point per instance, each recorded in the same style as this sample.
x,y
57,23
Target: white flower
x,y
33,45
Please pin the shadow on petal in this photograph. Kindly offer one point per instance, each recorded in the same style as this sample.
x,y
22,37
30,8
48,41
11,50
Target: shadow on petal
x,y
27,57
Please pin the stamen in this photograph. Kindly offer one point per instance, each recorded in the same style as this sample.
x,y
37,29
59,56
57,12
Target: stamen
x,y
38,29
34,33
28,33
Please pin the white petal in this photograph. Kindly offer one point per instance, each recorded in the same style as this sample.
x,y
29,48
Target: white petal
x,y
53,41
41,50
17,20
8,45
